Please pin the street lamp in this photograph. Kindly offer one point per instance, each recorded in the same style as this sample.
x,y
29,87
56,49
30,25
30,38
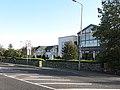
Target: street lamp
x,y
79,43
28,48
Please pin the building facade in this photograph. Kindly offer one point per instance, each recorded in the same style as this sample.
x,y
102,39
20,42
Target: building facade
x,y
62,40
51,52
48,51
89,45
39,51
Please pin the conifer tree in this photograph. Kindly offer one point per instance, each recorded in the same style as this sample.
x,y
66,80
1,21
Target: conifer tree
x,y
108,33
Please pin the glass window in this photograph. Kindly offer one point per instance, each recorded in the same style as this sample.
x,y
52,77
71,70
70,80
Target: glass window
x,y
88,36
83,44
83,37
95,42
87,43
91,43
91,36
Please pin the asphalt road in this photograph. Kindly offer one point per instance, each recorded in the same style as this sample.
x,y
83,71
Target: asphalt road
x,y
21,77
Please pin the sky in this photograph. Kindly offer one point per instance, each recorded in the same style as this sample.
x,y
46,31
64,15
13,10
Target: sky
x,y
43,21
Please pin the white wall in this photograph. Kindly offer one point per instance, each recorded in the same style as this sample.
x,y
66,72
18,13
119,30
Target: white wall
x,y
62,40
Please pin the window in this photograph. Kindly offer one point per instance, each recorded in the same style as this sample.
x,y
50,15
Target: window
x,y
88,36
91,36
95,42
63,44
83,44
87,43
83,37
87,39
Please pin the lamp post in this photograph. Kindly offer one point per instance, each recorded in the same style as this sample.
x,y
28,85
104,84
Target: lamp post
x,y
79,43
28,48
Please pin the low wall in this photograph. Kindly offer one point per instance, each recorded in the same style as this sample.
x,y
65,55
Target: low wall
x,y
73,65
24,62
64,65
58,64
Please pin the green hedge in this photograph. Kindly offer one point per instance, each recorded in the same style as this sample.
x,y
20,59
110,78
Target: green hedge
x,y
76,61
58,60
30,58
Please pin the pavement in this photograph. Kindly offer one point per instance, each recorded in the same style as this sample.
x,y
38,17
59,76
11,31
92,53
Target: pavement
x,y
25,77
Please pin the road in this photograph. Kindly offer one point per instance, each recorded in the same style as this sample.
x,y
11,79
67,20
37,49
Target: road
x,y
21,77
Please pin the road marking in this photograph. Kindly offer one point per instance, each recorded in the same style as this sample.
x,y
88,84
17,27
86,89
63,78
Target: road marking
x,y
30,82
49,79
68,83
41,76
11,64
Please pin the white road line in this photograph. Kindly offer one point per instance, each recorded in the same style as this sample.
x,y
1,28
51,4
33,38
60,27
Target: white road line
x,y
30,82
41,76
11,64
68,83
17,75
48,79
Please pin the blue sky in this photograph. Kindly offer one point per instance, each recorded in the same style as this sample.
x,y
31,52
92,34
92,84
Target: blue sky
x,y
43,21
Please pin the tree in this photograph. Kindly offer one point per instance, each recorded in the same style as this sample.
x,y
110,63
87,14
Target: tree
x,y
24,51
2,50
32,51
10,46
70,51
108,33
17,53
10,52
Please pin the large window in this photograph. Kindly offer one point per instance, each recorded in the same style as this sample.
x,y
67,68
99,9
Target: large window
x,y
83,37
88,36
83,44
87,39
91,36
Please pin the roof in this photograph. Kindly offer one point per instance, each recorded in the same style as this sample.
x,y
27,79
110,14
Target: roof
x,y
50,47
43,47
87,27
46,47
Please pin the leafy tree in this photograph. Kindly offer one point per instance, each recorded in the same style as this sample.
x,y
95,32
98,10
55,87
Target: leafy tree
x,y
108,33
2,50
70,51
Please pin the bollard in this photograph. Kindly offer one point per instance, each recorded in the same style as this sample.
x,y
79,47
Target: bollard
x,y
40,63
